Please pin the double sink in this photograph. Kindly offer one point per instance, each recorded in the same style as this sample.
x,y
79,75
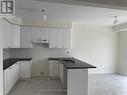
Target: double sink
x,y
66,60
71,60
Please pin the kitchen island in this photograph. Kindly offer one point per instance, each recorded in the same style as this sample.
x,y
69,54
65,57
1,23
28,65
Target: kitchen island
x,y
77,75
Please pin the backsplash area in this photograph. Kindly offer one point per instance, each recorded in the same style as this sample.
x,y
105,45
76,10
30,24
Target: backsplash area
x,y
6,53
38,52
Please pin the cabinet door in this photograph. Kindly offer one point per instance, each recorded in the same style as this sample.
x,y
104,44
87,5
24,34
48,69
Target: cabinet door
x,y
4,35
51,37
54,41
11,75
7,81
7,35
9,39
61,72
59,38
26,37
25,69
53,69
16,36
16,72
65,38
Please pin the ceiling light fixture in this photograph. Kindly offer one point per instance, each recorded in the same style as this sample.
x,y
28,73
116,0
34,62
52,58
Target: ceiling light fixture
x,y
44,16
115,20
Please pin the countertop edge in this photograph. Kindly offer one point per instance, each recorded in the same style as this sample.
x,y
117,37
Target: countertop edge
x,y
12,61
78,67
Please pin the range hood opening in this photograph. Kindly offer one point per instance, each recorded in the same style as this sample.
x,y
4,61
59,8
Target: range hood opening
x,y
40,44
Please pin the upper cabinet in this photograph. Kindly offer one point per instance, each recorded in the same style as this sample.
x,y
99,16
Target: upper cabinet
x,y
11,35
16,43
16,36
26,37
57,37
7,35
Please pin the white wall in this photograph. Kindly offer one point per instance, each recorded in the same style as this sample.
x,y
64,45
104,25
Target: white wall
x,y
1,58
6,53
96,45
122,66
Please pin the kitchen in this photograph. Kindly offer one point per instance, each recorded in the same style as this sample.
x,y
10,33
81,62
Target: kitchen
x,y
27,61
61,49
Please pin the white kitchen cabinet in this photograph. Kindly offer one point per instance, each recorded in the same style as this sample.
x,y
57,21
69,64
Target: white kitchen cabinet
x,y
39,33
11,76
26,39
16,71
25,69
11,35
21,69
53,42
53,69
57,37
61,73
16,43
7,35
7,80
66,38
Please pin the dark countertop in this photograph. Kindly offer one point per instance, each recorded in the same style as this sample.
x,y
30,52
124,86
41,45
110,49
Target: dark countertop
x,y
73,63
10,61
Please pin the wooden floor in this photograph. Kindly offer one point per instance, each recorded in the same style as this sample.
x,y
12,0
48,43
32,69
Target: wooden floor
x,y
100,84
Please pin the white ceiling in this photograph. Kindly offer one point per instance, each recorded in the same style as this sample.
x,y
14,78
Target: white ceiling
x,y
72,13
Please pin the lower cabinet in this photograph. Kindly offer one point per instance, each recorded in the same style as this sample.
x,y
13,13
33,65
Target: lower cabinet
x,y
21,69
11,75
25,69
53,69
63,75
58,70
61,72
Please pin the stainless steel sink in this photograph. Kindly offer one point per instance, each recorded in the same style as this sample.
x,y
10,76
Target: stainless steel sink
x,y
68,60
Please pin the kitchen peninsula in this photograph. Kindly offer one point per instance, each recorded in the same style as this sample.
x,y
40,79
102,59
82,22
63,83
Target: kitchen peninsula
x,y
76,75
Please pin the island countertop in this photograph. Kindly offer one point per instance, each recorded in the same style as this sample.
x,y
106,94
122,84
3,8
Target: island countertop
x,y
73,63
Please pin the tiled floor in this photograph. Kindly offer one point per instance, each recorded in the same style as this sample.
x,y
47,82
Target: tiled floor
x,y
107,84
101,84
38,86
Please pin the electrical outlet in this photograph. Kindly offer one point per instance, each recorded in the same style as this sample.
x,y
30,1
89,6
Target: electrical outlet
x,y
67,52
42,73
